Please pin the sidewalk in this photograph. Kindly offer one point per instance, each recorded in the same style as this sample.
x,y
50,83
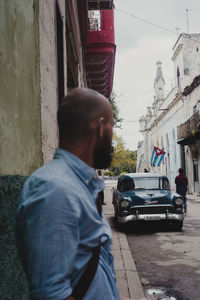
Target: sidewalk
x,y
128,280
193,198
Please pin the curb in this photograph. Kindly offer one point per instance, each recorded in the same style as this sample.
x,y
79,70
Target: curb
x,y
126,266
128,280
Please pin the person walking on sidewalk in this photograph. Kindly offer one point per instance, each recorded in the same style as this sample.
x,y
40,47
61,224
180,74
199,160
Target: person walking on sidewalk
x,y
181,182
101,193
63,238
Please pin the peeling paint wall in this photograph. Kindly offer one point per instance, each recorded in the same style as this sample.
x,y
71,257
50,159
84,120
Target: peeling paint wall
x,y
48,75
29,82
20,114
49,70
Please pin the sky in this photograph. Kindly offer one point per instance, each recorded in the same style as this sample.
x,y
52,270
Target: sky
x,y
139,46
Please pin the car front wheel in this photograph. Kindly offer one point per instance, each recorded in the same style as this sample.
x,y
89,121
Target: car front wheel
x,y
177,225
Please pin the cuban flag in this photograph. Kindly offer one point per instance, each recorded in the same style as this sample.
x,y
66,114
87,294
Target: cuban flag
x,y
157,155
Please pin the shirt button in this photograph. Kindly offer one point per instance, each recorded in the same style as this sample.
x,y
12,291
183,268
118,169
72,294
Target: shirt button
x,y
86,181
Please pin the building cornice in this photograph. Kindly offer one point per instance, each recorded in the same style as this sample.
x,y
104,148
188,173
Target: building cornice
x,y
188,89
177,51
177,98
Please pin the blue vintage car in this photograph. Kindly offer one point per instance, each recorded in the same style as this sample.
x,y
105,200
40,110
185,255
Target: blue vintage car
x,y
147,197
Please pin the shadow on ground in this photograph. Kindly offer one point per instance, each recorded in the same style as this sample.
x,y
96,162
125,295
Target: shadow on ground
x,y
141,228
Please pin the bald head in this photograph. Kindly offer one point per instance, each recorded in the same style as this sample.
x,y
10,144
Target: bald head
x,y
78,109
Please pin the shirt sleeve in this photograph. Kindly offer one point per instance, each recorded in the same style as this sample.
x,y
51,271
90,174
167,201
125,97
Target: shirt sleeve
x,y
50,239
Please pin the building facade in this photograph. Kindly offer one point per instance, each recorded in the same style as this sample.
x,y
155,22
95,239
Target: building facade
x,y
171,124
47,48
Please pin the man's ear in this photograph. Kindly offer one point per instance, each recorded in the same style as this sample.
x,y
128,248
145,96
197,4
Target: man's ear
x,y
100,127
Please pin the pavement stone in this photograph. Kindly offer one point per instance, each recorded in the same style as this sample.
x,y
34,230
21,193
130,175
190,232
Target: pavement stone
x,y
128,280
193,198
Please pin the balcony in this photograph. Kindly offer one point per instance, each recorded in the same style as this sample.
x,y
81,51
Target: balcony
x,y
100,4
100,51
189,132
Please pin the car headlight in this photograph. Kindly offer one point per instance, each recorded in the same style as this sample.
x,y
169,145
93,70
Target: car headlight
x,y
124,203
178,201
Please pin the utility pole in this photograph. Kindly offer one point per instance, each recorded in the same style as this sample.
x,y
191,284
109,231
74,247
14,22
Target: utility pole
x,y
187,15
177,30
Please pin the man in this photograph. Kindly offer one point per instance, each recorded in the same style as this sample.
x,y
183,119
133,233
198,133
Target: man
x,y
181,182
101,193
57,222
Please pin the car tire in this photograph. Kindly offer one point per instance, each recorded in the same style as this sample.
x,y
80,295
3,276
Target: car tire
x,y
116,215
177,225
122,227
119,226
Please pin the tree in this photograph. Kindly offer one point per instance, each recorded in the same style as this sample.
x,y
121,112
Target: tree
x,y
117,119
123,160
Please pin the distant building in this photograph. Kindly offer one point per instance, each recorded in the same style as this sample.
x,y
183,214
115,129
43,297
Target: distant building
x,y
174,123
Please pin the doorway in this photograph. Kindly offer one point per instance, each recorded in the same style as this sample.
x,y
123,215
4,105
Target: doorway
x,y
196,175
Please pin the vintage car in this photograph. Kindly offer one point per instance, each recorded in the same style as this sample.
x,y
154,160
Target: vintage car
x,y
147,197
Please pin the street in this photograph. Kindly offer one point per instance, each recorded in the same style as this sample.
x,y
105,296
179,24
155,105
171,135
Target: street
x,y
167,262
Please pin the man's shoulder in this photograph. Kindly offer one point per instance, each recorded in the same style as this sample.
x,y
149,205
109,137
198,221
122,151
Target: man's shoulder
x,y
52,175
49,186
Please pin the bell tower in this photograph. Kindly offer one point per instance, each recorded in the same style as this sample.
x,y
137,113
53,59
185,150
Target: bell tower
x,y
159,83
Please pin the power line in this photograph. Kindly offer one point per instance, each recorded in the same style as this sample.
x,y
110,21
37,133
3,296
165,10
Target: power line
x,y
155,25
145,21
130,121
187,16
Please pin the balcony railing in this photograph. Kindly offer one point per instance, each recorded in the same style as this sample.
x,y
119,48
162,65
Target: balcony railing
x,y
188,131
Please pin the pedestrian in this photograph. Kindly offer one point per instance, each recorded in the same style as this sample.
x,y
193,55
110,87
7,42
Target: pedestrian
x,y
181,182
101,193
63,238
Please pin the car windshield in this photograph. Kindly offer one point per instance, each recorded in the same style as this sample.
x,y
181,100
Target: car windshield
x,y
151,183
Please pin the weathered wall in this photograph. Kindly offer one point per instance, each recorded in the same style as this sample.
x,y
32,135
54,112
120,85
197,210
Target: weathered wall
x,y
20,114
48,74
49,69
186,57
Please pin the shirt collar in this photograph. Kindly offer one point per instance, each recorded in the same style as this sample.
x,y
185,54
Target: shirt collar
x,y
82,170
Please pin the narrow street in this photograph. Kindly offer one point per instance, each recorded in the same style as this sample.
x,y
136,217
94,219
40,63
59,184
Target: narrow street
x,y
168,261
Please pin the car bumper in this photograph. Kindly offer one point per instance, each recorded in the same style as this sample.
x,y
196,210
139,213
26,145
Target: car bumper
x,y
150,217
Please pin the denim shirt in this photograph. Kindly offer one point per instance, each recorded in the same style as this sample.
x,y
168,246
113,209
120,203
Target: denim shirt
x,y
58,225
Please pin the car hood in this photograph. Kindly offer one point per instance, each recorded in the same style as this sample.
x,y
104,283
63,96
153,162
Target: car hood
x,y
154,197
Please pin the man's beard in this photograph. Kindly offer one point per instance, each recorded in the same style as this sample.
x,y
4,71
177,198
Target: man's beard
x,y
102,155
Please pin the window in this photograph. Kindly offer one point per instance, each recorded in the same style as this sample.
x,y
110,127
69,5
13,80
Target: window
x,y
128,184
165,184
119,184
151,183
147,183
178,77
